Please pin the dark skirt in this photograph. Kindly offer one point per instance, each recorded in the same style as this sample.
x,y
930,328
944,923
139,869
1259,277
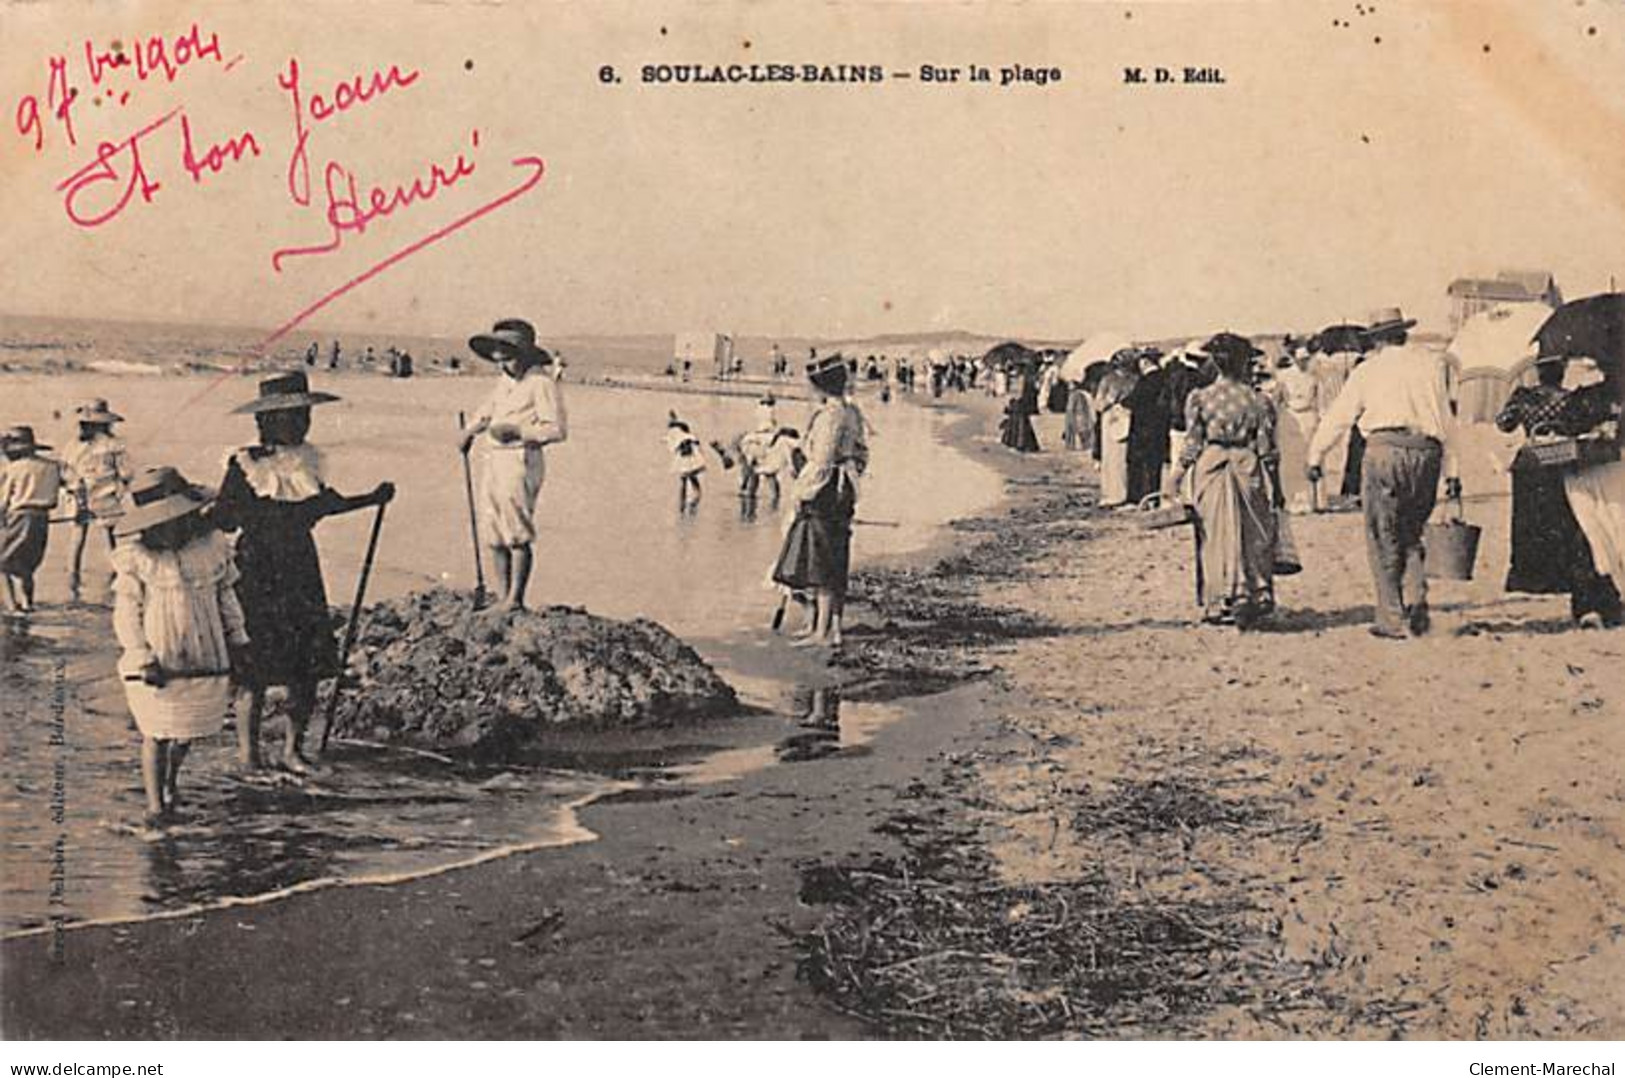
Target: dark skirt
x,y
1144,473
290,629
817,551
1353,464
1550,555
1016,431
22,540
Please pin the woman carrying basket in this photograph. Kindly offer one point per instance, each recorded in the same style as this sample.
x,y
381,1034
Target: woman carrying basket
x,y
817,551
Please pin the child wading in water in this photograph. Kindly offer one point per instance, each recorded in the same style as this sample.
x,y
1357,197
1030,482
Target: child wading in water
x,y
687,462
177,619
275,494
524,414
97,471
29,485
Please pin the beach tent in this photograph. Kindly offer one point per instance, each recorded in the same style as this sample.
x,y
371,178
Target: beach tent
x,y
1490,352
1098,348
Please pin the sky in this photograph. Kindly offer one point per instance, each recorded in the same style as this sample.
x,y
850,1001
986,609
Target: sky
x,y
1355,157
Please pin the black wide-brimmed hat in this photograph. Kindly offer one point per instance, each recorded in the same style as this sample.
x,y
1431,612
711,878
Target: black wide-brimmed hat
x,y
829,373
283,391
509,337
22,437
1230,346
157,496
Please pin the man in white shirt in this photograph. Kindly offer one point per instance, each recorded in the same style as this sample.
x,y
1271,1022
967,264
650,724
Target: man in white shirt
x,y
1400,398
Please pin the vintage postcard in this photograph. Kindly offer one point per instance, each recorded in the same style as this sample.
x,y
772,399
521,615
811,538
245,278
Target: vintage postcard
x,y
812,521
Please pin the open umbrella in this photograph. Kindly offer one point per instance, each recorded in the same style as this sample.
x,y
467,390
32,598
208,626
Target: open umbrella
x,y
1498,338
1593,327
1011,354
1098,348
1491,350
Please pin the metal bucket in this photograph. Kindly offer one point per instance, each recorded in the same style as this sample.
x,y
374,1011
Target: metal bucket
x,y
1452,548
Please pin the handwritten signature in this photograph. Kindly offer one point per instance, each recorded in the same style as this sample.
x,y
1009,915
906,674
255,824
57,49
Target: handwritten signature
x,y
130,168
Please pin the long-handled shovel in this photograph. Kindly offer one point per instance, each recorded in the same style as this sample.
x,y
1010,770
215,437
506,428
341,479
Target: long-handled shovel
x,y
473,526
354,624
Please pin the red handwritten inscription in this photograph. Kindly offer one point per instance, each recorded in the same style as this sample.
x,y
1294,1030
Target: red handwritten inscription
x,y
346,212
214,159
536,167
345,96
155,55
101,171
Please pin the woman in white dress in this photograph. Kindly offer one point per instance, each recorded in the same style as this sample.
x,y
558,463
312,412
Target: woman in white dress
x,y
524,414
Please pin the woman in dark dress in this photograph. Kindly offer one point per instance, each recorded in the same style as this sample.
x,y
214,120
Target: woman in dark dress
x,y
274,494
1016,429
1550,555
1149,424
817,551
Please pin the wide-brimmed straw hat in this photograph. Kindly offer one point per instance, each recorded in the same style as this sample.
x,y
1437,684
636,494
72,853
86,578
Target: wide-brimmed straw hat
x,y
509,337
157,496
95,410
291,390
21,437
1387,319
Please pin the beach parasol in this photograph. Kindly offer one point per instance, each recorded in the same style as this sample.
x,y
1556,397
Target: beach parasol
x,y
1490,351
1343,337
1593,327
1499,338
1011,354
1098,348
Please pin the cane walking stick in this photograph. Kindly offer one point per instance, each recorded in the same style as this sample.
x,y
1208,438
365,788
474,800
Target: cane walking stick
x,y
473,526
350,629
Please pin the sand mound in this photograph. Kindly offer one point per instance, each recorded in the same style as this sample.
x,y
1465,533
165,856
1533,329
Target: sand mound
x,y
436,673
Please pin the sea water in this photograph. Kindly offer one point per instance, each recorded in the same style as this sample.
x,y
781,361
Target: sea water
x,y
612,539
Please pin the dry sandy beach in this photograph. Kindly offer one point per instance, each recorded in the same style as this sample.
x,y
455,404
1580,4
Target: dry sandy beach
x,y
1306,832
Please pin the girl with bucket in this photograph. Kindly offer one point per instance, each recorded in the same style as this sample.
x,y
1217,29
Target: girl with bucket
x,y
523,415
179,625
274,494
817,551
1230,445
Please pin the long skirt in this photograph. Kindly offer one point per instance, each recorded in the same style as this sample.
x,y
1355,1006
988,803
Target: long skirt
x,y
1078,431
1237,522
1597,496
1145,462
1295,431
510,482
1114,423
22,540
1353,465
1016,432
185,708
1547,544
817,550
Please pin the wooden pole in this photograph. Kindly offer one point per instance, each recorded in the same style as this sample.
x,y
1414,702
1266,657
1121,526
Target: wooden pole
x,y
355,623
473,525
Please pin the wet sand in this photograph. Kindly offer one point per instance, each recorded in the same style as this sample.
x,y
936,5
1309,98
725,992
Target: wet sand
x,y
1440,856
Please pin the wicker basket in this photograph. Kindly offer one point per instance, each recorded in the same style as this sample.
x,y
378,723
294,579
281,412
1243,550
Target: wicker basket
x,y
1570,452
1155,515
